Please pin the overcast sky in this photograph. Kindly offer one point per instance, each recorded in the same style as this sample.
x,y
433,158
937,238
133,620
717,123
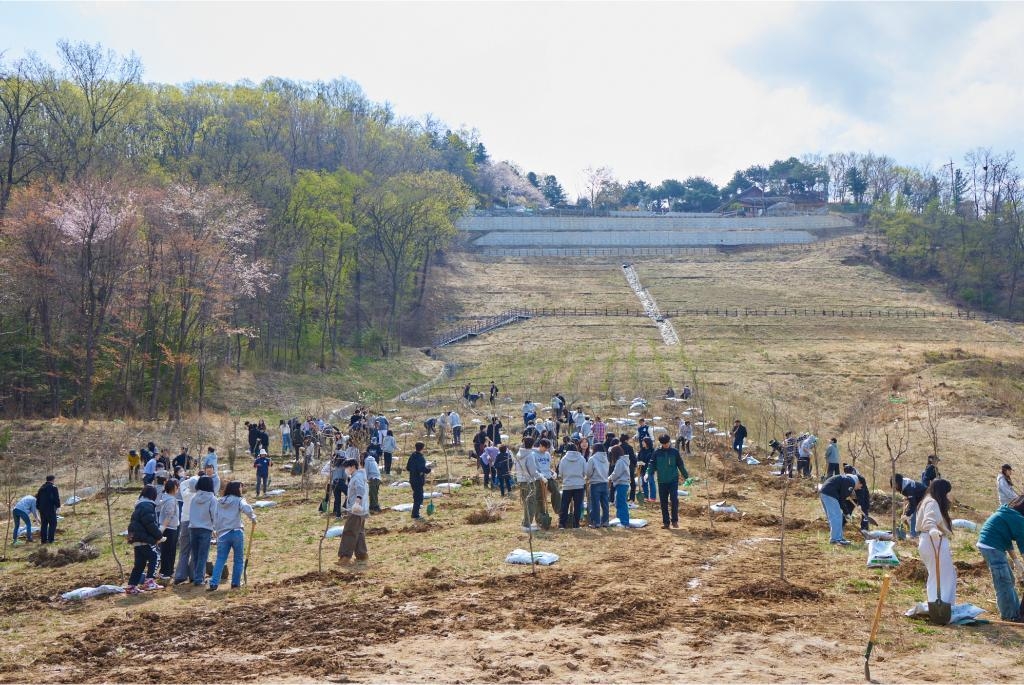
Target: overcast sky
x,y
656,90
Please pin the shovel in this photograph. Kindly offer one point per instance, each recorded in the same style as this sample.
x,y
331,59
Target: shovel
x,y
939,612
874,626
248,553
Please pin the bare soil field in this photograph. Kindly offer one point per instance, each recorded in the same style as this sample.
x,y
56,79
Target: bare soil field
x,y
702,603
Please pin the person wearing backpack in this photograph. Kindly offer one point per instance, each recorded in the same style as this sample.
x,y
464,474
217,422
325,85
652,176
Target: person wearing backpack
x,y
144,535
230,534
667,463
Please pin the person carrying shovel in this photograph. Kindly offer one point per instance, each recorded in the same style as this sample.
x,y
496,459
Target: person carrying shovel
x,y
936,529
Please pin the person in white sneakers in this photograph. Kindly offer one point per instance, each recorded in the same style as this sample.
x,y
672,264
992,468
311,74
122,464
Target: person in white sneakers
x,y
144,535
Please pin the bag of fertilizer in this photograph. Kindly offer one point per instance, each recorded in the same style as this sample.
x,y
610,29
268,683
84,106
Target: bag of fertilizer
x,y
263,504
448,487
521,556
400,484
723,508
633,523
964,524
274,493
882,553
876,534
402,507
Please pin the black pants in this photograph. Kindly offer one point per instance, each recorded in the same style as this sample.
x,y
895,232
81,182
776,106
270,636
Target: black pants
x,y
417,499
387,462
571,500
261,481
632,482
487,473
339,491
833,470
168,550
804,467
145,555
48,525
667,491
457,435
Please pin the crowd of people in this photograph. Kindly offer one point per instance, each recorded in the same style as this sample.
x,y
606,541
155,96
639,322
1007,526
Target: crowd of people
x,y
570,461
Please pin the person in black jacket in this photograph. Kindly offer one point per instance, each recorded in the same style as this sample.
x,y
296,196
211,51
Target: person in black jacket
x,y
144,534
48,502
418,470
863,496
931,471
631,453
739,434
502,468
833,492
914,493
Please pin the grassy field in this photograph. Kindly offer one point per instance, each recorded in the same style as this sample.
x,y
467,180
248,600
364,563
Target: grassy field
x,y
703,603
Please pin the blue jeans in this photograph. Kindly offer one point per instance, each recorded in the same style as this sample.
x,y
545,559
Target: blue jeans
x,y
504,483
199,538
234,542
286,443
20,516
651,487
834,514
598,504
622,503
1002,580
913,523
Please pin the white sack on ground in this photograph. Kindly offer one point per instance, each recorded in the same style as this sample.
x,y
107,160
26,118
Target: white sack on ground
x,y
448,487
522,556
402,507
400,484
633,523
90,592
964,524
334,532
960,612
723,508
263,504
882,553
876,534
275,492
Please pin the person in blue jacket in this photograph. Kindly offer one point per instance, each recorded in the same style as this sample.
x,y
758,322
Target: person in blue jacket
x,y
996,539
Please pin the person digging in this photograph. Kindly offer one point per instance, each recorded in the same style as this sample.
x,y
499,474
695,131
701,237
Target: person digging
x,y
353,537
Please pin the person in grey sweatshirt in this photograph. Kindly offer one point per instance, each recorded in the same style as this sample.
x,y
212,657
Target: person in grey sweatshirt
x,y
571,469
619,479
597,477
353,537
373,477
230,533
201,513
530,482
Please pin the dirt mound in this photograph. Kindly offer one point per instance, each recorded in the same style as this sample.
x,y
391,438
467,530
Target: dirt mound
x,y
420,527
973,569
772,590
770,520
911,569
482,516
380,530
69,554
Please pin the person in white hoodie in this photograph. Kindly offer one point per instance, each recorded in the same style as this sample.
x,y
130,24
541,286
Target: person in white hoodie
x,y
571,469
543,456
388,446
373,477
353,537
530,482
936,531
230,533
597,476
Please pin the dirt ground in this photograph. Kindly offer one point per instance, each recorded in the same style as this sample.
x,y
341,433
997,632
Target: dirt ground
x,y
437,602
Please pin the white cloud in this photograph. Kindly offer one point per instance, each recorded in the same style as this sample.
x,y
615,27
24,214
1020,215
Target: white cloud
x,y
653,90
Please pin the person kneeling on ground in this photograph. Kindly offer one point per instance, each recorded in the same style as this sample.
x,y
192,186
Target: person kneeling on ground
x,y
353,537
995,541
835,490
668,464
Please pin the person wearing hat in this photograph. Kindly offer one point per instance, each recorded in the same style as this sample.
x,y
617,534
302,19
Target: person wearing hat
x,y
47,503
1004,485
931,471
353,537
262,464
134,464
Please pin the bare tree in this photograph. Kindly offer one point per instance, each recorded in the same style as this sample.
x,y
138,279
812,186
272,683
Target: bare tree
x,y
107,469
931,422
703,440
897,442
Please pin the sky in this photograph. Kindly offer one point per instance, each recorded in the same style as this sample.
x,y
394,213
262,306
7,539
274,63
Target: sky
x,y
652,90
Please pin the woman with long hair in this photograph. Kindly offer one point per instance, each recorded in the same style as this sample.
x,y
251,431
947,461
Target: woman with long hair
x,y
1004,485
936,531
230,533
648,484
